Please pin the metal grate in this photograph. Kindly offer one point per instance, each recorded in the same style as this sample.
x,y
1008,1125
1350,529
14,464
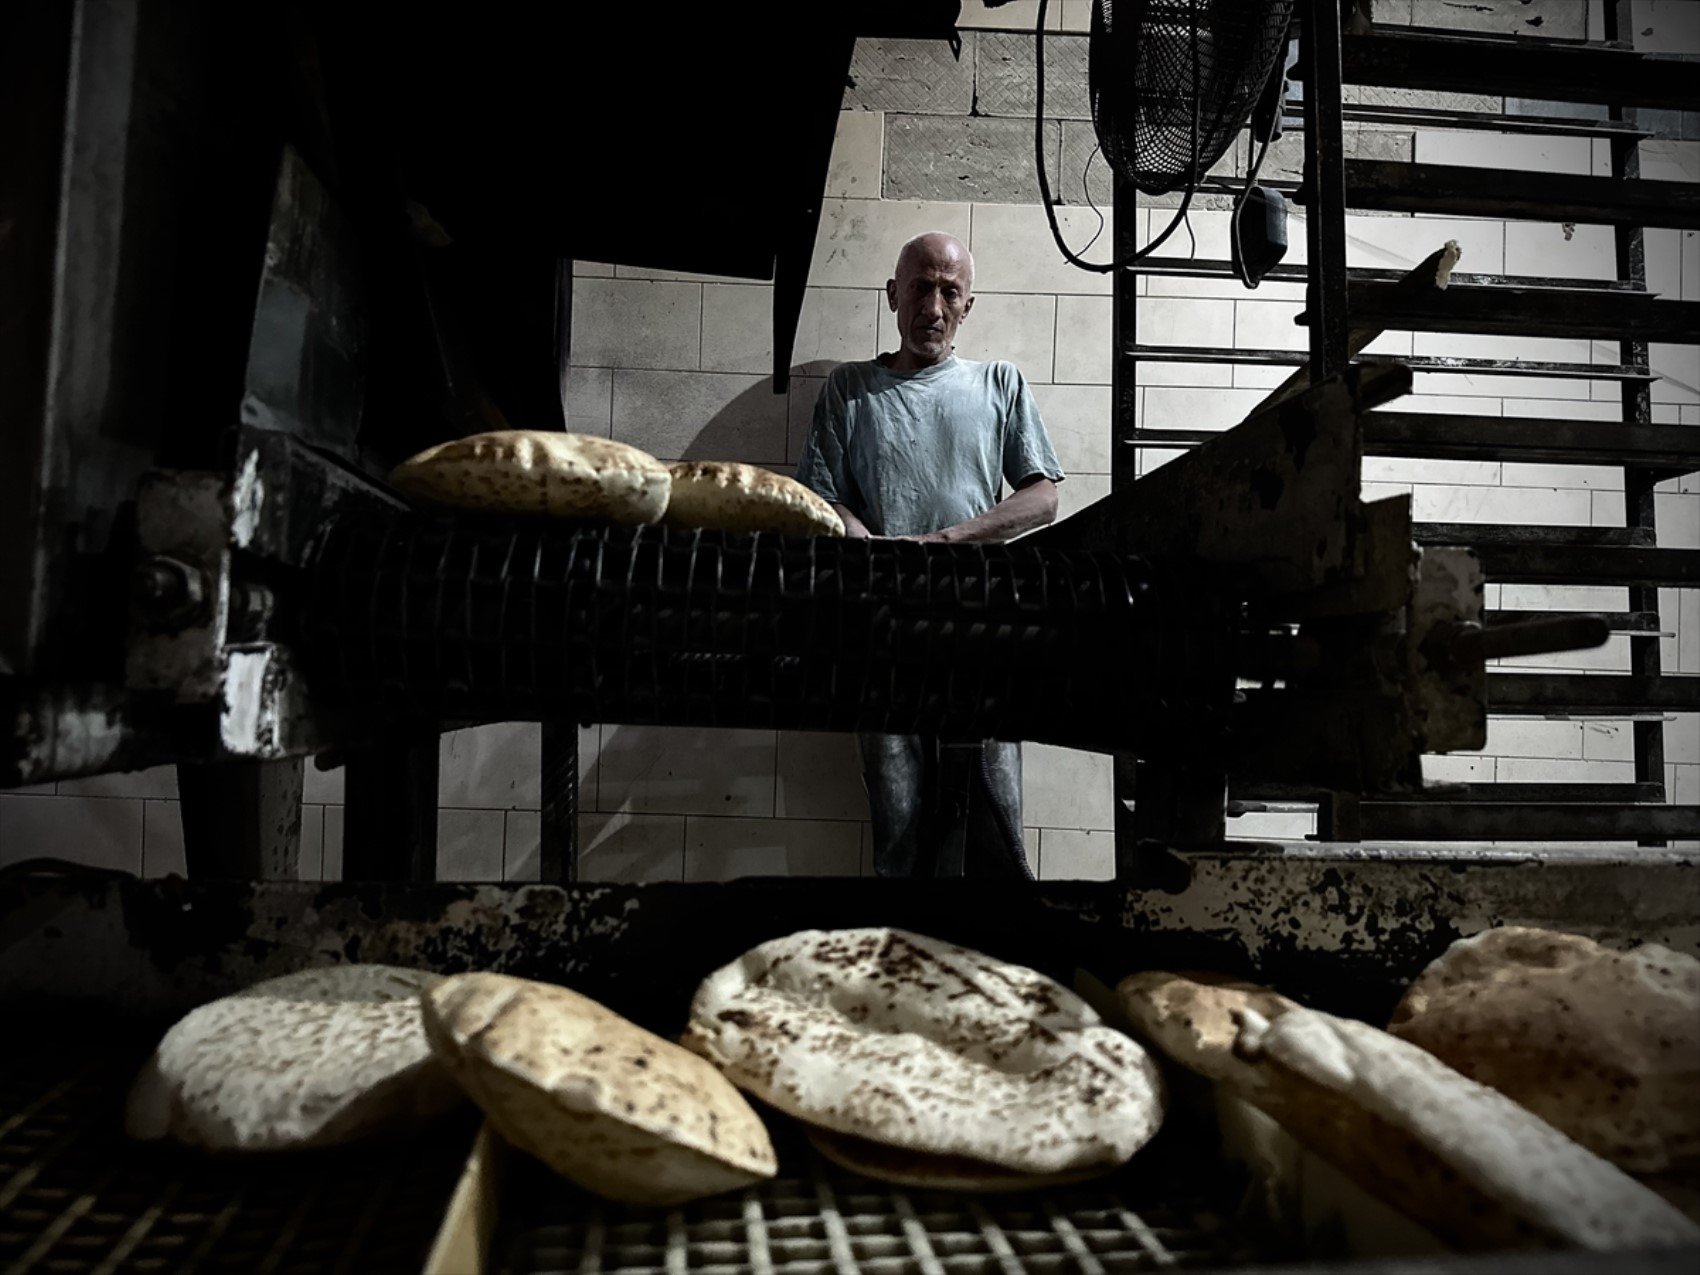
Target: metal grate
x,y
477,618
76,1196
816,1219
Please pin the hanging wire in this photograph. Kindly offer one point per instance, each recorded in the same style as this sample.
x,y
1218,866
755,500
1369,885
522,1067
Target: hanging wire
x,y
1255,166
1180,217
1086,189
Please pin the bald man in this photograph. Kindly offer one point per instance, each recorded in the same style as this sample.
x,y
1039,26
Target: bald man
x,y
918,445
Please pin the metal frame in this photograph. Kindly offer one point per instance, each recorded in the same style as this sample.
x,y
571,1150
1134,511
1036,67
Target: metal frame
x,y
1342,305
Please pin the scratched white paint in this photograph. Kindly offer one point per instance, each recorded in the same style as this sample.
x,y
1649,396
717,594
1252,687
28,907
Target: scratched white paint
x,y
84,740
244,699
247,498
1278,901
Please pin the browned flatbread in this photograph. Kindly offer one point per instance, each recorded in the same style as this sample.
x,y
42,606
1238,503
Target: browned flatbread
x,y
915,1043
316,1058
533,471
725,496
618,1110
1602,1045
1463,1160
934,1172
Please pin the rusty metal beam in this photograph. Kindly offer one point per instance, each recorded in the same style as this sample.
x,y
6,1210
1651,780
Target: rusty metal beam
x,y
1590,695
1514,311
1396,186
1599,820
1543,369
1542,69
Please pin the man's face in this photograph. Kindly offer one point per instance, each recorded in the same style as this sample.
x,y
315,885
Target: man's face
x,y
931,296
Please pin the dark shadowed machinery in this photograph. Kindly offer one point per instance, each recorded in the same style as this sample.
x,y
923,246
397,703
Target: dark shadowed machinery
x,y
255,255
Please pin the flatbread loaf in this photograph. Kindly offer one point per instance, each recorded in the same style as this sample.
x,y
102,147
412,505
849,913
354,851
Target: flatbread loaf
x,y
1602,1045
932,1172
1466,1162
616,1109
535,471
311,1059
725,496
921,1045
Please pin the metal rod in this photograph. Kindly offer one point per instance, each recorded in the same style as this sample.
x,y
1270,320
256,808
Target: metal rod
x,y
1124,466
1541,69
1536,637
1519,821
242,819
1417,363
1618,694
1207,268
1325,184
390,816
558,847
1397,186
1639,503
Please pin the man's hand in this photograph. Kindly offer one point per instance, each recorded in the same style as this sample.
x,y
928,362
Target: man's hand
x,y
854,527
1029,507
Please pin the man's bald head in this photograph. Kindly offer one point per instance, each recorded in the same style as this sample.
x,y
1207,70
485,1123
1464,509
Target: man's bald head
x,y
935,247
932,291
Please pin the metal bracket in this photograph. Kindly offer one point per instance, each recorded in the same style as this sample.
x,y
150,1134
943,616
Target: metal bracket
x,y
181,588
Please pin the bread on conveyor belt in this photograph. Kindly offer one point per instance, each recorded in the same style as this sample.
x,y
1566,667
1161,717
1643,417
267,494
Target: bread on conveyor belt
x,y
932,1172
311,1059
726,496
598,1099
920,1045
535,471
1602,1045
1466,1162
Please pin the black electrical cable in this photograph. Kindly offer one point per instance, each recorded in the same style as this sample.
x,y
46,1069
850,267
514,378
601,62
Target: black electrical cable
x,y
1251,180
1086,189
1106,267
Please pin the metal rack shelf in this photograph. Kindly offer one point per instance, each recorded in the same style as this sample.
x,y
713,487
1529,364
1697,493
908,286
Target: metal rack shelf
x,y
1593,694
1417,362
1607,73
1509,310
814,1218
1346,307
1670,449
77,1196
1543,125
1385,185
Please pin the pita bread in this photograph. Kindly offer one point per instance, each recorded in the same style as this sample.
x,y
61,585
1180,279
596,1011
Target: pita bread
x,y
535,471
921,1045
933,1172
621,1112
1602,1045
724,496
1194,1018
311,1059
1466,1162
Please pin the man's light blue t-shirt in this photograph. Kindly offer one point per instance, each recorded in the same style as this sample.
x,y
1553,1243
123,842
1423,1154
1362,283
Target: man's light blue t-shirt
x,y
912,452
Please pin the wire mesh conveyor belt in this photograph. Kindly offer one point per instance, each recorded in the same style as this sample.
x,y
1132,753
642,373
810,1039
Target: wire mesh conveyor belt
x,y
1166,1210
77,1196
476,618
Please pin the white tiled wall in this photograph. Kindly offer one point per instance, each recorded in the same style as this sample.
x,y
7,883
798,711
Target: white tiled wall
x,y
681,366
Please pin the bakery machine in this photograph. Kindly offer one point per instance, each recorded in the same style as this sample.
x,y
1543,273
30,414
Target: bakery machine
x,y
227,584
243,306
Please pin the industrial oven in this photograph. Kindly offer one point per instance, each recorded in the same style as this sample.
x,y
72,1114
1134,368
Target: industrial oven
x,y
231,307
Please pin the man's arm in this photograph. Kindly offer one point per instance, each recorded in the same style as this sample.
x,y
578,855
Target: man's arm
x,y
854,527
1031,505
